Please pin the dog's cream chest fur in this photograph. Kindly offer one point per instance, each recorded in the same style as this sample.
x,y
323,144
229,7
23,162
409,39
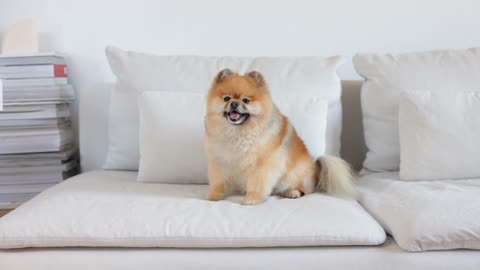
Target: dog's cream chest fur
x,y
235,151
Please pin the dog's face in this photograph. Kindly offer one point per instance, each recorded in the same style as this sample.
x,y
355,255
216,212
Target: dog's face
x,y
239,99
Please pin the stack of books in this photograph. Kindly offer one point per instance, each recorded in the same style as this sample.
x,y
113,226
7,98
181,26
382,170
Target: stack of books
x,y
36,139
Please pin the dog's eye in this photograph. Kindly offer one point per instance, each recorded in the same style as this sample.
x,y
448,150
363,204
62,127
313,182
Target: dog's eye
x,y
226,99
246,100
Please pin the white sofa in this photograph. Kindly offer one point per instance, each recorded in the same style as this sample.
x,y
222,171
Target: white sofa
x,y
93,144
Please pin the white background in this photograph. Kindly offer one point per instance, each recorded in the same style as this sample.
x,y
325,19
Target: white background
x,y
82,29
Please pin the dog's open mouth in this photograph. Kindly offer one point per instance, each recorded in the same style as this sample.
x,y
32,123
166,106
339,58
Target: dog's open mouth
x,y
236,118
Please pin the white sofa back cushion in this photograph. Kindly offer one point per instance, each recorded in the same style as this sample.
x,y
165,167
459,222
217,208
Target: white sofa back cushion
x,y
387,76
138,72
439,135
172,132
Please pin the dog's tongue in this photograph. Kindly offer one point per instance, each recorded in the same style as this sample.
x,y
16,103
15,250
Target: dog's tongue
x,y
234,116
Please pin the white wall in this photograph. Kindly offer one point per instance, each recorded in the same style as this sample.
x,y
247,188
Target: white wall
x,y
81,29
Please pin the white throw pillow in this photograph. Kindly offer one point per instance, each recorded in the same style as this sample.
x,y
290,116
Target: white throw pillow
x,y
424,215
138,72
386,76
172,133
439,135
171,138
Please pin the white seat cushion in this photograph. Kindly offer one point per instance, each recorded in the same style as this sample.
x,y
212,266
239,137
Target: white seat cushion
x,y
106,208
427,215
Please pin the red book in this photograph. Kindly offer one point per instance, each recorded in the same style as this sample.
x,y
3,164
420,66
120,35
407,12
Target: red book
x,y
33,71
60,71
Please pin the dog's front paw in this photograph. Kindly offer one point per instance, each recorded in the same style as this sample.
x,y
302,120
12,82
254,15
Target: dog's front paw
x,y
215,196
292,194
252,199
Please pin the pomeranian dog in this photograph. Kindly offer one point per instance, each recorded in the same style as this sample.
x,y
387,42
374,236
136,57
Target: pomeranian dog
x,y
253,149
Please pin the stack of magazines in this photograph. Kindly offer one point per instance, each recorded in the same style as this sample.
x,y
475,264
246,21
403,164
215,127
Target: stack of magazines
x,y
36,138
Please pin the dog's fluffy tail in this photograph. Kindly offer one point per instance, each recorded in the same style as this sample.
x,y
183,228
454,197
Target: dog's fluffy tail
x,y
335,177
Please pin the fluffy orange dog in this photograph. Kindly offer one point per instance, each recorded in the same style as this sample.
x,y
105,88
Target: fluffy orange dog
x,y
253,149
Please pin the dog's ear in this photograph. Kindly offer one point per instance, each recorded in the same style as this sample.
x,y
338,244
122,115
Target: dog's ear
x,y
223,75
257,77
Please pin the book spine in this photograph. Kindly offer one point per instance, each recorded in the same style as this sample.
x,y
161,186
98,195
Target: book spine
x,y
60,71
35,71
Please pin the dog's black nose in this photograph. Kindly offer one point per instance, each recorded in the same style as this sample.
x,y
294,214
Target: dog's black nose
x,y
234,105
